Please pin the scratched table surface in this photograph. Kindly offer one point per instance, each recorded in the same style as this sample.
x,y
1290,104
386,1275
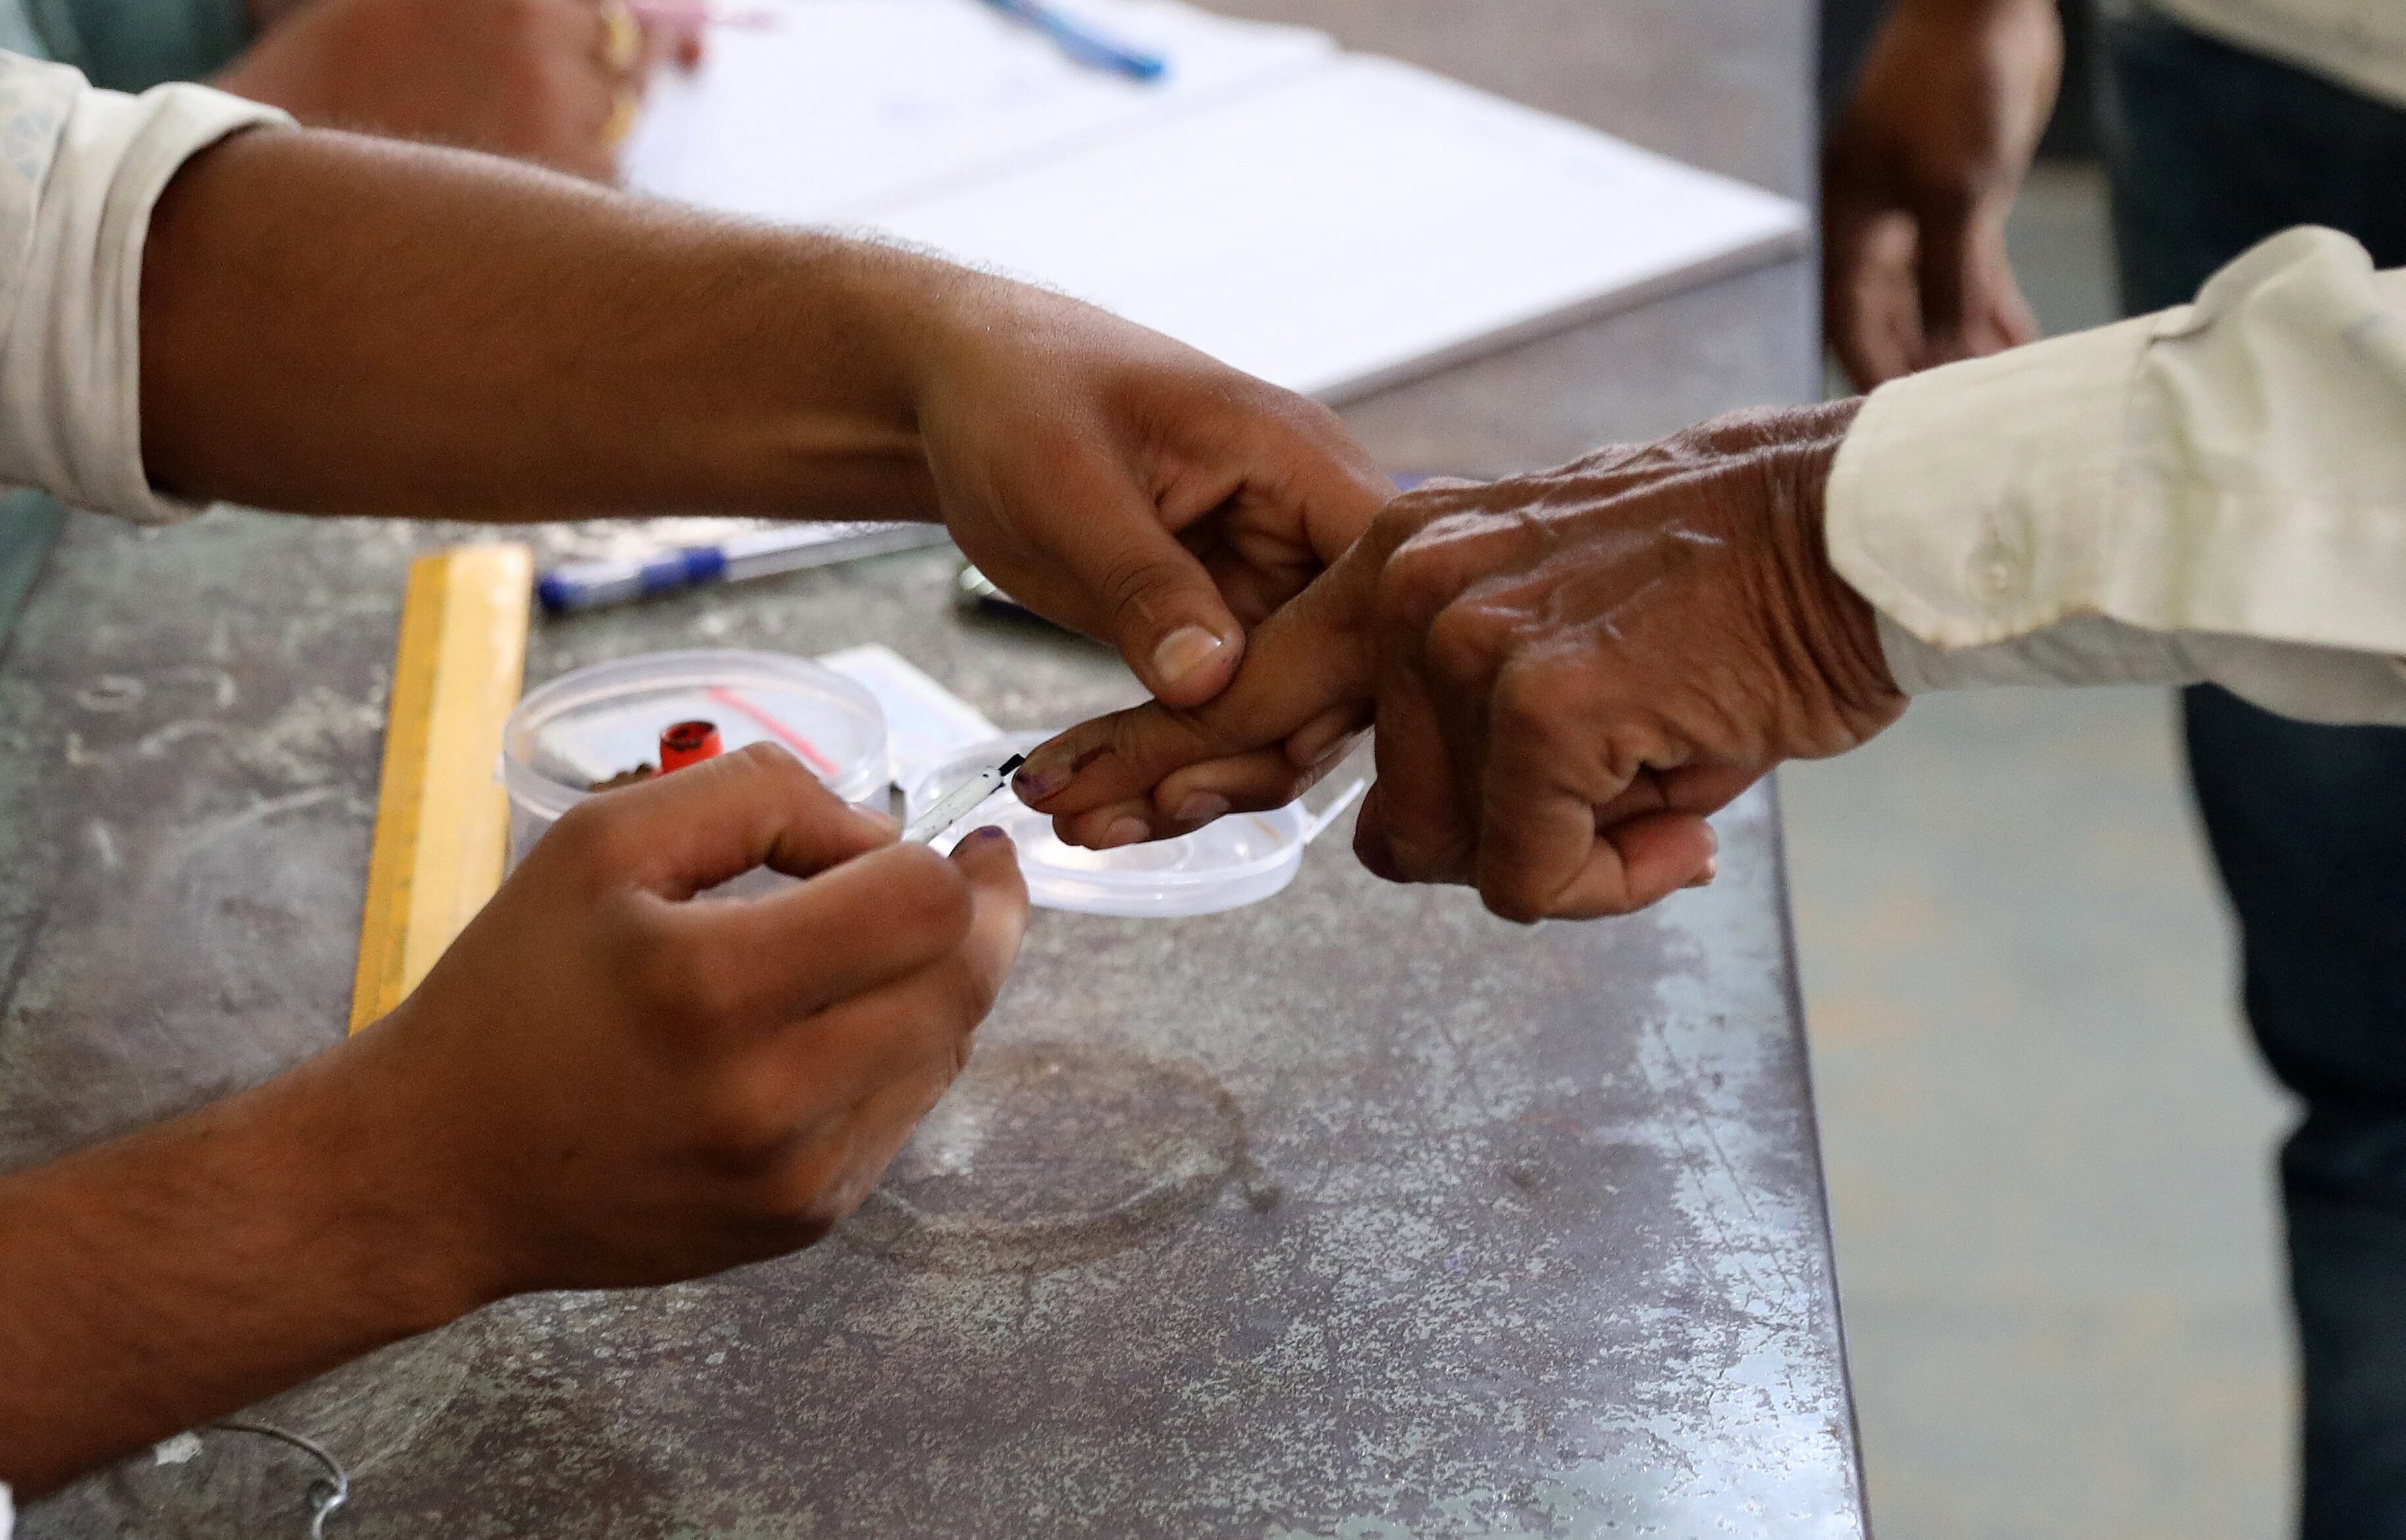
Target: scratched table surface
x,y
1354,1213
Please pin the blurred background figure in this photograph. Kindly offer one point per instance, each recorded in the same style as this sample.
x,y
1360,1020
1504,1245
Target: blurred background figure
x,y
2106,1259
556,82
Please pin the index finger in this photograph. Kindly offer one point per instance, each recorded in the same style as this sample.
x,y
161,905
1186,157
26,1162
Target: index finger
x,y
1304,660
684,833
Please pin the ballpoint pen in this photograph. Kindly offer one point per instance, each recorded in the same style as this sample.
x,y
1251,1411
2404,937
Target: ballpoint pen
x,y
1083,43
583,584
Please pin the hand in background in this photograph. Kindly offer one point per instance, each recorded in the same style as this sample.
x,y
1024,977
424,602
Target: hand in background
x,y
600,1083
1129,487
556,82
1917,179
1568,671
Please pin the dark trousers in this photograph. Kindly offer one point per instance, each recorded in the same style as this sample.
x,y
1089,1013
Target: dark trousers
x,y
2213,148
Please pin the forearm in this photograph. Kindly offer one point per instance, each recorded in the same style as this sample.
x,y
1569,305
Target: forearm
x,y
182,1272
336,323
2213,492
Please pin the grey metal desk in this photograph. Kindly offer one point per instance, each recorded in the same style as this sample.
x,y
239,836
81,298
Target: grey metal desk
x,y
1355,1213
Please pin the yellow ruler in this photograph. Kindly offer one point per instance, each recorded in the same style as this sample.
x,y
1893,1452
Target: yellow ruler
x,y
443,819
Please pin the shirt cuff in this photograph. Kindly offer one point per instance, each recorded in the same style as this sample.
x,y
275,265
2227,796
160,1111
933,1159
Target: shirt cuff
x,y
71,370
1965,502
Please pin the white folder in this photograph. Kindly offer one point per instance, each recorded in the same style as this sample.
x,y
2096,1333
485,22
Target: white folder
x,y
1331,222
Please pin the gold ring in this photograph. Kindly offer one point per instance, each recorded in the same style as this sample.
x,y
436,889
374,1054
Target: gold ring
x,y
622,39
623,106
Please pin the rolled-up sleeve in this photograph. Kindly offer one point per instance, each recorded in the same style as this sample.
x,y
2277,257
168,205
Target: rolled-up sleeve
x,y
2218,491
81,170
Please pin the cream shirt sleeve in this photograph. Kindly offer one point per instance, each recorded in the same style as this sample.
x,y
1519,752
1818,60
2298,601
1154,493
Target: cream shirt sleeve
x,y
79,171
2217,492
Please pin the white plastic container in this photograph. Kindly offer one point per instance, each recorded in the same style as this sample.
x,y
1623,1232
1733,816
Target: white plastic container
x,y
589,725
1241,859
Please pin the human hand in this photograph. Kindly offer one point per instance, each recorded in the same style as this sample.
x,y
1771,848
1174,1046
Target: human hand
x,y
556,82
1918,177
1568,671
1127,485
606,1082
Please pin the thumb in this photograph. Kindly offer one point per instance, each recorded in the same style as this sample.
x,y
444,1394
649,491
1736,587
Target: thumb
x,y
1307,658
1155,601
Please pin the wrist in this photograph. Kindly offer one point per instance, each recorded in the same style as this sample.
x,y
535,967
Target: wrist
x,y
344,1181
1836,627
403,1172
884,319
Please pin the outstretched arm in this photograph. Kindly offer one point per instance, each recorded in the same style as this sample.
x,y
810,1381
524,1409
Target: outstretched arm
x,y
1569,669
311,320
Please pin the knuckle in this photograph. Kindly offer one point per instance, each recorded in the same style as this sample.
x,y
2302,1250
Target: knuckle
x,y
598,840
773,769
1508,898
1311,420
1529,705
1422,854
813,1194
678,982
970,994
1467,643
743,1114
1416,582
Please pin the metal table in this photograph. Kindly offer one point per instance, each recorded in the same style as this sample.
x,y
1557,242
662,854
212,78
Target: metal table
x,y
1355,1213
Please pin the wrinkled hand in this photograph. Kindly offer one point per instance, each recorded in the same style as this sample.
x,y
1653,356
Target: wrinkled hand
x,y
1918,177
1568,671
609,1083
1128,487
556,82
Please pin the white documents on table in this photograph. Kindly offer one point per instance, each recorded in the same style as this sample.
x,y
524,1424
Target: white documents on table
x,y
1333,222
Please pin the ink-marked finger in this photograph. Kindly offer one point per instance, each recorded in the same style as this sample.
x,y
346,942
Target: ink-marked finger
x,y
1303,662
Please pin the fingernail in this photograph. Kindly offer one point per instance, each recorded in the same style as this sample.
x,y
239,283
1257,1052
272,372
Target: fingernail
x,y
1183,651
1123,831
1701,879
1038,780
985,835
1201,807
1712,843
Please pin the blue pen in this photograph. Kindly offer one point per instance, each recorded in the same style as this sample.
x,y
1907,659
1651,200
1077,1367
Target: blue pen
x,y
583,584
1083,43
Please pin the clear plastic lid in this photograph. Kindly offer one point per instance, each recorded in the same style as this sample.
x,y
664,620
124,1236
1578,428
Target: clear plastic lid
x,y
1241,859
597,724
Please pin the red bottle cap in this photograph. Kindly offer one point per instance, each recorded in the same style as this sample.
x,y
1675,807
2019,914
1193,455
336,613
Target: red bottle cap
x,y
688,743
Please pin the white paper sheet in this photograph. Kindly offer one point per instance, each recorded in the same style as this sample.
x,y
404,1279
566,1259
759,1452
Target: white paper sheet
x,y
1350,225
844,106
1331,222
